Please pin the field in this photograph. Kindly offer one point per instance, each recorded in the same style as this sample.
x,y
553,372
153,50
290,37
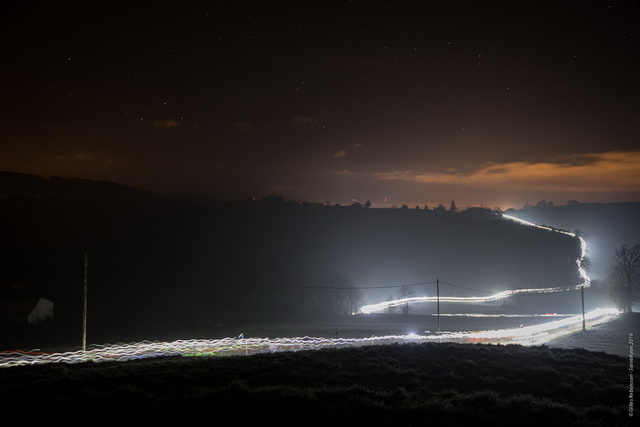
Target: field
x,y
405,384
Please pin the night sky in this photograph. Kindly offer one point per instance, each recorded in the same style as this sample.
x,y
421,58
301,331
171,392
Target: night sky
x,y
494,103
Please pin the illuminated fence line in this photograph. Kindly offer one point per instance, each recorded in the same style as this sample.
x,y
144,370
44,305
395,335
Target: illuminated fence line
x,y
586,281
530,335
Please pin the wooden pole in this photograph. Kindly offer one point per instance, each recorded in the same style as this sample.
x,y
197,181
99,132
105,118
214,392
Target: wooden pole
x,y
438,300
583,320
84,308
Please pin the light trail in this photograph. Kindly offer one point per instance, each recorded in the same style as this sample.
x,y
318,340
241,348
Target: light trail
x,y
536,334
530,335
381,306
583,245
502,315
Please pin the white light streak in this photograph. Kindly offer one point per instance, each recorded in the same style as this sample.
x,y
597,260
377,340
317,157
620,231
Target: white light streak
x,y
583,246
372,308
530,335
501,315
536,334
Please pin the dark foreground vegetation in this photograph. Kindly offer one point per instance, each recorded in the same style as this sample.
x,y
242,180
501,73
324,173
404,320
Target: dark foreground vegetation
x,y
401,384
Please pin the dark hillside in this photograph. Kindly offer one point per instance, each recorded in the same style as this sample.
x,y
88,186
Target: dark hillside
x,y
31,186
157,263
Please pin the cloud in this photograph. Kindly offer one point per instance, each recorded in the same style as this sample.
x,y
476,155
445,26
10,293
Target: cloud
x,y
343,172
611,171
167,124
344,153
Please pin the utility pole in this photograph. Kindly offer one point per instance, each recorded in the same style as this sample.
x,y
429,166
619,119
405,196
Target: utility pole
x,y
84,308
438,301
583,320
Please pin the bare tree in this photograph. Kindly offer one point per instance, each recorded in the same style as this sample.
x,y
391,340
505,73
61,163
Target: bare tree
x,y
406,291
345,298
624,276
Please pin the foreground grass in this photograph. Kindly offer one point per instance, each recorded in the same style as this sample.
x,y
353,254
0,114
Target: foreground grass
x,y
408,384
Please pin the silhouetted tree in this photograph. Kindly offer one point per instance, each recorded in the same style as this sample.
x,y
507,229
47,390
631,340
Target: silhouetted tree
x,y
440,208
406,291
367,204
453,207
354,300
345,299
624,277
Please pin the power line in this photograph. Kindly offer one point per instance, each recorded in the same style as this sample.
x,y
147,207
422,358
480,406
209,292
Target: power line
x,y
355,287
162,270
462,287
271,285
